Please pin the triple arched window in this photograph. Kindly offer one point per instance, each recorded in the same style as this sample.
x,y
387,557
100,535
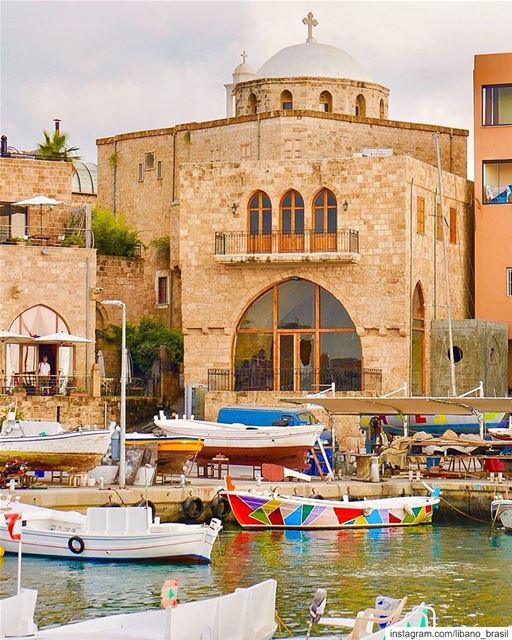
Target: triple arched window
x,y
292,221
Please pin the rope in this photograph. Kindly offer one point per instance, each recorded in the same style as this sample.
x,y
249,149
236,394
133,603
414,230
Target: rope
x,y
281,624
466,515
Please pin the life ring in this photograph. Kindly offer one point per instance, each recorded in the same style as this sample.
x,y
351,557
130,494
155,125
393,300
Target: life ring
x,y
192,507
147,503
220,507
76,545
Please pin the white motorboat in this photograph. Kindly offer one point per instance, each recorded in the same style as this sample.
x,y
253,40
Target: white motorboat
x,y
246,614
501,510
46,446
247,445
110,534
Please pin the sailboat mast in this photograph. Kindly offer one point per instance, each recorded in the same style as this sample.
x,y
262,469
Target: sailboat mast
x,y
446,269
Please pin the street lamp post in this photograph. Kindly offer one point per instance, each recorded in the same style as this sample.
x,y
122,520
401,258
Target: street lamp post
x,y
122,441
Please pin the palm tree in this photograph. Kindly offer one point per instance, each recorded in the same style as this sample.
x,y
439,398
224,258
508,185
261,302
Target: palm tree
x,y
56,148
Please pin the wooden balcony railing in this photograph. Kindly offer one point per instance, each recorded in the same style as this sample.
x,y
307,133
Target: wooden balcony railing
x,y
278,242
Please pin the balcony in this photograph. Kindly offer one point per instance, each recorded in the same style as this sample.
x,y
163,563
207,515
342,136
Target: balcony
x,y
46,236
312,380
280,247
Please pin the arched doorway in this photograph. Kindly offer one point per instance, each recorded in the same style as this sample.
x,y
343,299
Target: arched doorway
x,y
297,337
418,343
23,359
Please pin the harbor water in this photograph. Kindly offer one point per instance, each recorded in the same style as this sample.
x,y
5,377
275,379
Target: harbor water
x,y
461,569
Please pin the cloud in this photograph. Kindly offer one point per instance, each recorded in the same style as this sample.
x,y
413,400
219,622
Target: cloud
x,y
109,67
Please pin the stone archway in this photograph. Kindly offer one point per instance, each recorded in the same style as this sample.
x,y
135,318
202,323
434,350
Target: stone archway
x,y
418,342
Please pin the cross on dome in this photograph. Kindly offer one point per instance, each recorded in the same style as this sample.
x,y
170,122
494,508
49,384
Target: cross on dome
x,y
311,21
244,56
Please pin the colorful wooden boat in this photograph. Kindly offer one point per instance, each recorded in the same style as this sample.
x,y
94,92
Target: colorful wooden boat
x,y
274,511
173,452
246,445
436,425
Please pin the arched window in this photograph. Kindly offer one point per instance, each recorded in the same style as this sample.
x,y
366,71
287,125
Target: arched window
x,y
418,342
325,221
291,218
252,103
325,101
297,337
286,100
259,213
360,105
22,359
382,112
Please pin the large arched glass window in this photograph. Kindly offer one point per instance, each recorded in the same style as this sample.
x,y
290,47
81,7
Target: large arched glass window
x,y
286,100
325,221
291,222
297,337
360,105
418,342
260,223
325,101
22,359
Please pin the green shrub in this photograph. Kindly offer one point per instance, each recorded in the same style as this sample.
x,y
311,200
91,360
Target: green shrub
x,y
144,341
112,235
74,240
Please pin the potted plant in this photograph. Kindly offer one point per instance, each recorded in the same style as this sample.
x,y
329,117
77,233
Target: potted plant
x,y
17,240
19,392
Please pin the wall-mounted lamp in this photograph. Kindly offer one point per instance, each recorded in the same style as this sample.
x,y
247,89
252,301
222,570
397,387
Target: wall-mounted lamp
x,y
344,205
234,208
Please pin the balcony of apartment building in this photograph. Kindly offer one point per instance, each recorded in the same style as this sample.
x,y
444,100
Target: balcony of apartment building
x,y
350,377
287,247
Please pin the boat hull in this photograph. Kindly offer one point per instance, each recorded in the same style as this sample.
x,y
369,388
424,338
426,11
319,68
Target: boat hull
x,y
74,452
173,453
438,424
192,546
502,510
266,511
245,445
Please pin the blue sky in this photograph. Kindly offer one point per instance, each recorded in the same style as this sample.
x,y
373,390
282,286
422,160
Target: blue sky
x,y
110,67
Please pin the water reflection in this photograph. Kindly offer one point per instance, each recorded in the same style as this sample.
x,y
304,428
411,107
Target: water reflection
x,y
461,569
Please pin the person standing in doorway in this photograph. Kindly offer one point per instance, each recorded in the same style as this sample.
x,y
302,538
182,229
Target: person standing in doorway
x,y
43,372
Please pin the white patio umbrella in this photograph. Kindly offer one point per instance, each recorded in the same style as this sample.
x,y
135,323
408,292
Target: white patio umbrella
x,y
63,339
41,201
100,361
13,338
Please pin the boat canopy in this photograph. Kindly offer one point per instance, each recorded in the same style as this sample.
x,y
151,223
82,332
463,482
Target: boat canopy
x,y
409,406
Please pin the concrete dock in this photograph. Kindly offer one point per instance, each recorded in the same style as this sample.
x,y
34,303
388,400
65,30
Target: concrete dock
x,y
461,498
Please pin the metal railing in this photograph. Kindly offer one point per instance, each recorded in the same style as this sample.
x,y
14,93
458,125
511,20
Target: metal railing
x,y
244,379
235,243
134,387
32,384
46,236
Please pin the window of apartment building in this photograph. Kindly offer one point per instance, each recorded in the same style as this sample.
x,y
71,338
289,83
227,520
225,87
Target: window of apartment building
x,y
497,182
497,105
420,215
162,289
509,281
159,173
453,225
149,161
140,172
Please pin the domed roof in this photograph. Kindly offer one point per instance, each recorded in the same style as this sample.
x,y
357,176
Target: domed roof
x,y
313,59
243,68
84,179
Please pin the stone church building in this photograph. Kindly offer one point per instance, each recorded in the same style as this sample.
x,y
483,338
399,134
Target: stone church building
x,y
305,231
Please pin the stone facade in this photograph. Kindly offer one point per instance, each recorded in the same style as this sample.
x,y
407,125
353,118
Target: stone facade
x,y
481,355
265,94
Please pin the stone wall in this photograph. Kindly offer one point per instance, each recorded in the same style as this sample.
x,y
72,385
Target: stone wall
x,y
483,346
61,278
306,95
376,291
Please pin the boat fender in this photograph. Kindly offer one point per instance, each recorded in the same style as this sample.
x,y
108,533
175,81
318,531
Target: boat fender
x,y
220,507
192,507
76,545
111,504
149,504
317,496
